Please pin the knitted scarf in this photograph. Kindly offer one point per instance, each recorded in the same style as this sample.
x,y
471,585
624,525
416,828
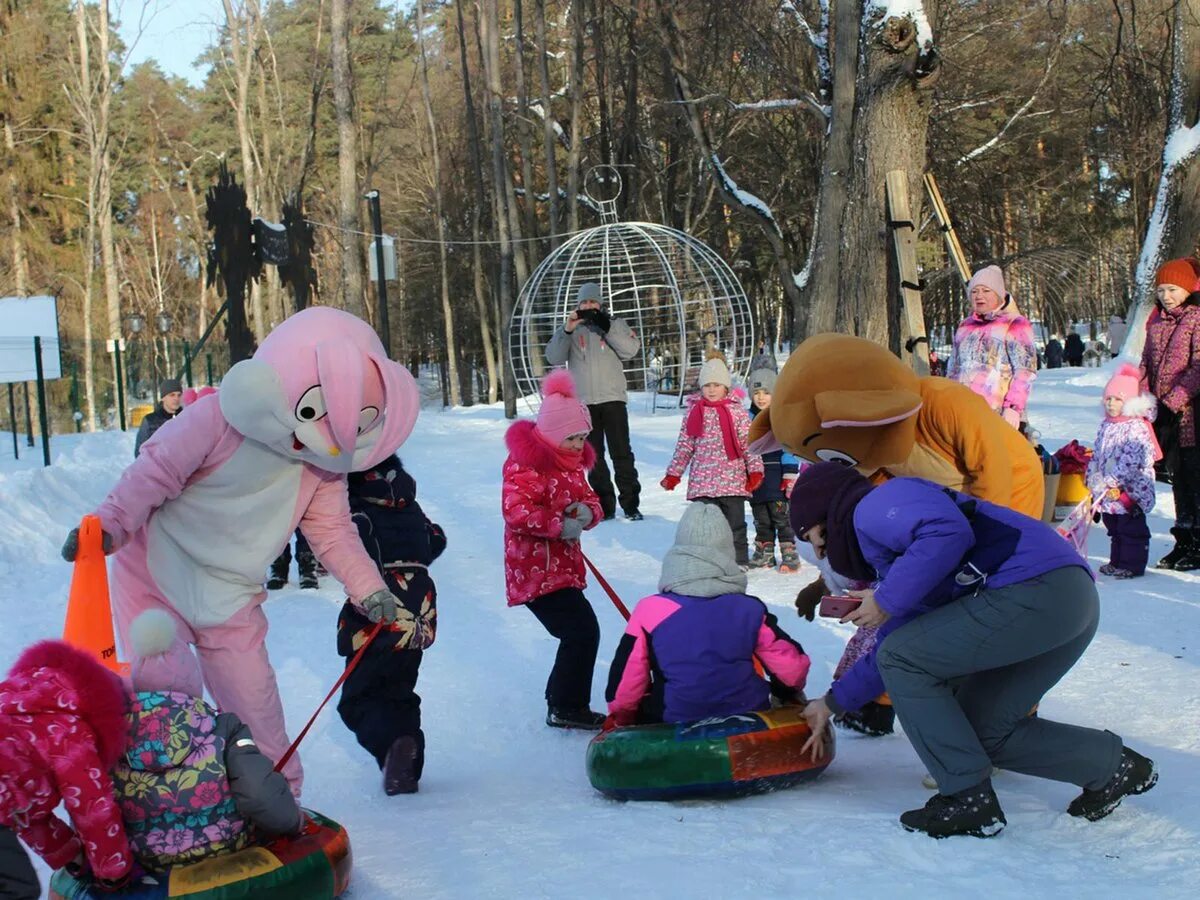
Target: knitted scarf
x,y
563,458
695,424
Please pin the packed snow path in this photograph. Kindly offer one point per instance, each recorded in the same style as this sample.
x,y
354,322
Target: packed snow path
x,y
505,809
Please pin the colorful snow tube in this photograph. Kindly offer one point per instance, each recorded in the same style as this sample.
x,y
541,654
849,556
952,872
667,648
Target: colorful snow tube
x,y
315,865
733,755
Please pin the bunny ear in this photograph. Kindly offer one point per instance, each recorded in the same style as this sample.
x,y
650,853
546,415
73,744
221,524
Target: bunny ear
x,y
340,373
402,404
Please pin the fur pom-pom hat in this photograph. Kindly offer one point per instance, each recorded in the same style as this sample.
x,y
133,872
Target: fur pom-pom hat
x,y
562,414
162,661
1124,386
714,371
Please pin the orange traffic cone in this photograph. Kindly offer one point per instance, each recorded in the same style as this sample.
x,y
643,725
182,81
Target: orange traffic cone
x,y
89,624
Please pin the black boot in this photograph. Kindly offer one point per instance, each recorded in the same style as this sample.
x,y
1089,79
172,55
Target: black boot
x,y
874,719
975,812
574,717
1190,561
1135,775
279,572
1184,546
400,768
307,564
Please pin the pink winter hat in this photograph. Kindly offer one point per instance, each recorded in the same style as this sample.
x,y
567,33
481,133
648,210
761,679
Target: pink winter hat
x,y
161,660
562,414
1123,385
992,278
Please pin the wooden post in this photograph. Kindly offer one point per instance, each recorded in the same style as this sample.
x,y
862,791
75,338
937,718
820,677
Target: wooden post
x,y
953,247
913,341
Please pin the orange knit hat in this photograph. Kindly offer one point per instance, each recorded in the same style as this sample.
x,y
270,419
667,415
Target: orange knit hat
x,y
1184,273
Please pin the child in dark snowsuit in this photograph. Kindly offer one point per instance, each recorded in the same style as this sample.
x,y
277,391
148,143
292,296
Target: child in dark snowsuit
x,y
379,701
699,636
181,752
769,502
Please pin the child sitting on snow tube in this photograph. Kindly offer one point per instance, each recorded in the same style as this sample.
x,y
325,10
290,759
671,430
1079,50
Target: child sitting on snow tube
x,y
702,632
192,783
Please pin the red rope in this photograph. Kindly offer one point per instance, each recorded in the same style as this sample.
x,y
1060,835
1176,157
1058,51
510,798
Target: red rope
x,y
337,684
612,595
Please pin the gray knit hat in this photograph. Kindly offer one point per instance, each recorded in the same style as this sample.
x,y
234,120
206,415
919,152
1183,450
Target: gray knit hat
x,y
589,290
762,380
702,562
169,386
714,371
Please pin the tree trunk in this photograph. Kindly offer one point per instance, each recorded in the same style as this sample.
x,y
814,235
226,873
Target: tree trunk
x,y
348,189
1174,227
524,137
549,138
19,263
574,152
880,121
475,151
455,395
108,249
490,37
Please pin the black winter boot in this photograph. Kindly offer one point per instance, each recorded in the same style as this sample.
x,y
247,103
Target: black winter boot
x,y
974,812
1135,775
1190,561
874,720
307,564
400,767
1184,545
279,572
574,717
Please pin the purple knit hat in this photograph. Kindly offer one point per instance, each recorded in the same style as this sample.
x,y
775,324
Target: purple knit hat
x,y
814,492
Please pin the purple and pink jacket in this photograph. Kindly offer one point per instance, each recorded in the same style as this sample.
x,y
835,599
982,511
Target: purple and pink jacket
x,y
995,357
712,472
1171,365
917,536
702,649
1123,459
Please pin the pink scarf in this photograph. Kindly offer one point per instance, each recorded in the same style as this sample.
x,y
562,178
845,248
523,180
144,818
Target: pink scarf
x,y
695,424
564,459
1158,454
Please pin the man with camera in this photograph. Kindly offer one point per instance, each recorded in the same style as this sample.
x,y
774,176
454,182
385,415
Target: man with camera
x,y
594,347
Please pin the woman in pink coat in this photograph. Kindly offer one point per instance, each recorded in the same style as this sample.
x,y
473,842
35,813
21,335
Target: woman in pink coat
x,y
547,504
994,354
211,501
713,443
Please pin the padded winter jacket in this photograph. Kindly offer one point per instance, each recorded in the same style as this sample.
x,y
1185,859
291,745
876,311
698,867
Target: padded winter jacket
x,y
1171,365
62,727
192,782
777,465
595,358
994,355
710,471
150,424
1123,459
919,539
536,493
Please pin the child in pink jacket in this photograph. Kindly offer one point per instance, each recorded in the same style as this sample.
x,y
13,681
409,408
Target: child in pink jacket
x,y
547,504
713,442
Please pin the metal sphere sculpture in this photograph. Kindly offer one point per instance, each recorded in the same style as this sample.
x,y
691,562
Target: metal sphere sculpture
x,y
676,293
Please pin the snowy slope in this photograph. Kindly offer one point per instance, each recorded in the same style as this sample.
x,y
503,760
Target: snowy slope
x,y
505,809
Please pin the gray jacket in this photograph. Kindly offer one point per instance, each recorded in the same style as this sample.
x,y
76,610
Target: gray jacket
x,y
595,358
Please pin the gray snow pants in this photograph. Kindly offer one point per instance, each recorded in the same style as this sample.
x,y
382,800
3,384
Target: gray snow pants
x,y
963,679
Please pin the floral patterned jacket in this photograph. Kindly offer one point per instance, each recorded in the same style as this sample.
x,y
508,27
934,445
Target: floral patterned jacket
x,y
1123,459
192,783
712,473
994,356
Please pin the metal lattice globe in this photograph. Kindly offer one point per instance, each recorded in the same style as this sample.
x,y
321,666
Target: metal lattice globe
x,y
677,294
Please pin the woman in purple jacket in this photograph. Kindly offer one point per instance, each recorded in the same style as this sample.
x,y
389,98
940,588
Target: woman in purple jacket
x,y
980,610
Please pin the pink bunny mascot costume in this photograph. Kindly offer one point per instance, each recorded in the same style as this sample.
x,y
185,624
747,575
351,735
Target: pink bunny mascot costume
x,y
199,516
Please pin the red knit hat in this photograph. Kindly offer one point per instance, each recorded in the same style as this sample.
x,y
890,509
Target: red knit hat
x,y
561,414
1184,273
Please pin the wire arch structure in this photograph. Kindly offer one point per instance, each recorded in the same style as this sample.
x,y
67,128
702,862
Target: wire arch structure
x,y
676,293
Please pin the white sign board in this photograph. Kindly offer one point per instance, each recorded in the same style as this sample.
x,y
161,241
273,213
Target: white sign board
x,y
21,320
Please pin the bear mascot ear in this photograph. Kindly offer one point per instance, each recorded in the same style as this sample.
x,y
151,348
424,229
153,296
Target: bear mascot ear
x,y
865,409
253,401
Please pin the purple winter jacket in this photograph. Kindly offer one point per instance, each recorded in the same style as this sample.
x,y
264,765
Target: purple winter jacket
x,y
918,538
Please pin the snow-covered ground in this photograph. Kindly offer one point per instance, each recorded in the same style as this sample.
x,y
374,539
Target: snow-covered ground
x,y
505,809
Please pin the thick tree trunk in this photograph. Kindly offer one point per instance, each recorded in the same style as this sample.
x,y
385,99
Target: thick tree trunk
x,y
1173,230
575,151
490,36
524,136
880,122
354,298
455,395
549,138
19,262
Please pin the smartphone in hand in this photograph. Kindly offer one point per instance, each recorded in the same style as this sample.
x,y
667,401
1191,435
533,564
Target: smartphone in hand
x,y
838,607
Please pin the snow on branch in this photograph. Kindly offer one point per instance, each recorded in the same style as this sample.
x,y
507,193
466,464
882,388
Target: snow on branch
x,y
1181,146
745,198
820,38
913,10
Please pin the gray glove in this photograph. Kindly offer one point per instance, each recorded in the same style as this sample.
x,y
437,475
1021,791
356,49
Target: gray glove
x,y
380,607
580,511
572,529
70,548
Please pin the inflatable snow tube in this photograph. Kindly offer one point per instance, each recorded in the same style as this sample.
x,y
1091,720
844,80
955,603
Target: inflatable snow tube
x,y
314,865
733,755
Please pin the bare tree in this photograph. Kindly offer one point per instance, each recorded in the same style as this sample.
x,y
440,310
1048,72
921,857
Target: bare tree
x,y
348,190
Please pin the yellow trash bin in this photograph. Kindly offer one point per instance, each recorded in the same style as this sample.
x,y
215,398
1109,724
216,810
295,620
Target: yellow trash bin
x,y
139,412
1072,489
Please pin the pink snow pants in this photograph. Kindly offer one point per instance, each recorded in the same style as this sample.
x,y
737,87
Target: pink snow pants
x,y
232,655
